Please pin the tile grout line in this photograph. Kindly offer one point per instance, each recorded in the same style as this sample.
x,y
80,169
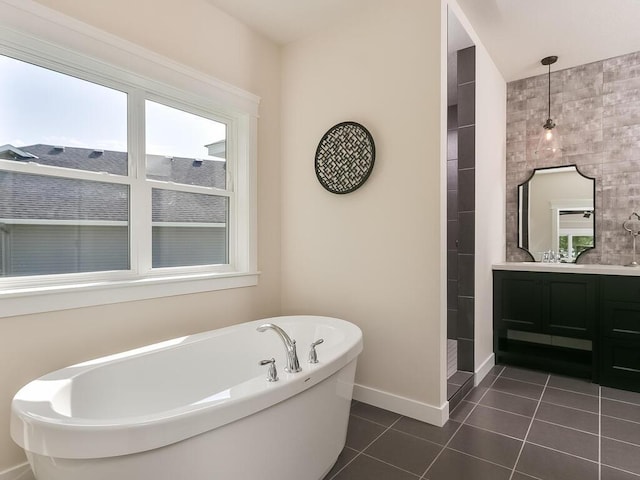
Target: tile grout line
x,y
599,433
621,401
551,403
546,447
360,452
522,381
545,402
479,458
621,419
471,425
505,411
423,476
553,387
570,428
524,440
622,470
564,389
543,446
621,441
419,437
391,465
373,421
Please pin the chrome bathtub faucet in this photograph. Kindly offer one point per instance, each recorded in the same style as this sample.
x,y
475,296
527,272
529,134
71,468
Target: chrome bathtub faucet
x,y
272,376
293,365
313,355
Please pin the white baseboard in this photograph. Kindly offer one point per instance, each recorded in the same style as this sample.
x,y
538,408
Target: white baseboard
x,y
404,406
20,472
483,369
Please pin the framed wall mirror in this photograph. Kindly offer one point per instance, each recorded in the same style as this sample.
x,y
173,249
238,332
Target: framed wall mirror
x,y
556,214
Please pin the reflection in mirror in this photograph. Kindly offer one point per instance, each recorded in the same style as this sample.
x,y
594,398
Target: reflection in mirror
x,y
556,220
632,225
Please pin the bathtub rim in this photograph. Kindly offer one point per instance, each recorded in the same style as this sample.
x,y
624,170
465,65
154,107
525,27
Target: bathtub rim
x,y
64,437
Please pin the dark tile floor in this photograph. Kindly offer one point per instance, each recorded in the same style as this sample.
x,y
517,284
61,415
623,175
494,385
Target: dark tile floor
x,y
455,381
516,425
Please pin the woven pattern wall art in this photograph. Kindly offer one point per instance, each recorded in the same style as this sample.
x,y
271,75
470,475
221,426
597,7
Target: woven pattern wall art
x,y
345,157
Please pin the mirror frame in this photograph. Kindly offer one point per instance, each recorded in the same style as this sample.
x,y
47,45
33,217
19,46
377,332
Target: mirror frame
x,y
519,209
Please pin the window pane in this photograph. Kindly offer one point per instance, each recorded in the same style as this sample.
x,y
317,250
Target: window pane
x,y
55,119
184,148
189,229
52,225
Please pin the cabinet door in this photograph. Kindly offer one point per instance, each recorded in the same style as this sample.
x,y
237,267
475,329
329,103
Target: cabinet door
x,y
518,301
620,367
570,305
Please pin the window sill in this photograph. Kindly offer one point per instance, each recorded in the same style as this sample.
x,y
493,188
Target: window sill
x,y
88,294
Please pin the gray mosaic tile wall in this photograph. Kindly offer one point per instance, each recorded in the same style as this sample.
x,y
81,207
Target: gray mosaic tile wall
x,y
597,108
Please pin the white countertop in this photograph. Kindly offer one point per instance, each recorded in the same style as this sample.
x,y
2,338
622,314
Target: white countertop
x,y
568,268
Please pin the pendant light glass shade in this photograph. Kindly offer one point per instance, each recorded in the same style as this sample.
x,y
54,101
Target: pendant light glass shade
x,y
550,143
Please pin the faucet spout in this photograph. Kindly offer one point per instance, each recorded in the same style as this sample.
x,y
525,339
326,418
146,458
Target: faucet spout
x,y
293,365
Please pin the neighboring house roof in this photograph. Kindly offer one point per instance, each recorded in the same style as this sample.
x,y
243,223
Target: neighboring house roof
x,y
9,152
27,196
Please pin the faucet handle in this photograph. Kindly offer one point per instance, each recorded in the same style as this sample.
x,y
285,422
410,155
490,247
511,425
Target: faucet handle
x,y
272,375
313,356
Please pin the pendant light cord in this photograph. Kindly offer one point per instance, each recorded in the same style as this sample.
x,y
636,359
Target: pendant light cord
x,y
549,82
548,61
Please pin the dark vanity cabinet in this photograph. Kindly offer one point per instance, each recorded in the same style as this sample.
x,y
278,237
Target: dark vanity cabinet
x,y
584,325
545,320
620,332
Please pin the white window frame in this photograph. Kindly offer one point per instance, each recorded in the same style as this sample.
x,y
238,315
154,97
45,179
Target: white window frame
x,y
38,35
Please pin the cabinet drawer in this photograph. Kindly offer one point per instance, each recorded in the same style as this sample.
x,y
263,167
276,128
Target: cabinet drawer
x,y
621,319
623,289
620,364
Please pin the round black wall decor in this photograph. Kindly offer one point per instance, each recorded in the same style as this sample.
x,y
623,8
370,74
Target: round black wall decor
x,y
345,157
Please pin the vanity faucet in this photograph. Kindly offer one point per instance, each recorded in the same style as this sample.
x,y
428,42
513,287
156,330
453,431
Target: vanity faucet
x,y
293,365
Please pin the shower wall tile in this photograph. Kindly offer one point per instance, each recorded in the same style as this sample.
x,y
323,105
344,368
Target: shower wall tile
x,y
452,205
452,264
452,175
452,292
465,355
452,234
597,109
466,275
465,215
466,235
452,145
466,147
465,317
452,117
466,104
452,324
466,190
466,65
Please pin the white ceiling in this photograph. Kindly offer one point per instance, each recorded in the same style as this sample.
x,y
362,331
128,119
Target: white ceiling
x,y
517,33
286,21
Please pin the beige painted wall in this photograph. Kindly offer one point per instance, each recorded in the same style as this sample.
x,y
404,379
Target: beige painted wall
x,y
372,256
194,33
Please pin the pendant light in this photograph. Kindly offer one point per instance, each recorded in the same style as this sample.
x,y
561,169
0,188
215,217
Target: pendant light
x,y
550,143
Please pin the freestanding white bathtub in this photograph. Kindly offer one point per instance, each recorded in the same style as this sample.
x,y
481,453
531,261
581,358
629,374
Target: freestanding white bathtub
x,y
198,407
